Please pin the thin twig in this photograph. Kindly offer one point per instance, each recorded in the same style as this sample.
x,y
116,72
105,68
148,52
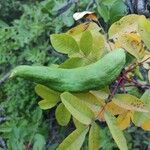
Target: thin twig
x,y
136,83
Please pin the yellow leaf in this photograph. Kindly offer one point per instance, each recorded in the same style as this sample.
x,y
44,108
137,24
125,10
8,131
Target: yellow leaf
x,y
131,102
114,109
77,31
144,30
126,24
146,125
132,43
140,117
123,120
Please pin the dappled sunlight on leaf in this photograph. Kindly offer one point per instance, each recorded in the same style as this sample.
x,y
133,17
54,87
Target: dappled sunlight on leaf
x,y
144,30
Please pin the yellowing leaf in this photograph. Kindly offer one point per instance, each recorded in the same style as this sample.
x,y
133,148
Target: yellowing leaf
x,y
77,31
124,119
62,115
46,104
116,132
141,117
64,43
86,43
132,43
126,24
130,102
94,137
75,140
144,30
77,108
146,125
114,109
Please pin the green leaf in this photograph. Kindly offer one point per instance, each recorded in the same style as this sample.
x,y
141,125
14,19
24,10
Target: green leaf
x,y
77,123
39,142
51,98
98,46
46,104
75,140
115,131
64,43
77,108
77,31
117,10
131,102
94,137
104,11
140,117
86,42
72,63
47,93
144,30
62,115
92,102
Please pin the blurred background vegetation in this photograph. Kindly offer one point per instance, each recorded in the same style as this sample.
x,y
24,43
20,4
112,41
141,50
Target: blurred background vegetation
x,y
25,26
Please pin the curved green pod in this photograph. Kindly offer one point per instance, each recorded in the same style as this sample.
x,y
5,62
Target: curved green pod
x,y
90,77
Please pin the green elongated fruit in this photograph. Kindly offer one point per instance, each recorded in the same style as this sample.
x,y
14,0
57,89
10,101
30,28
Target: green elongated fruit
x,y
90,77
